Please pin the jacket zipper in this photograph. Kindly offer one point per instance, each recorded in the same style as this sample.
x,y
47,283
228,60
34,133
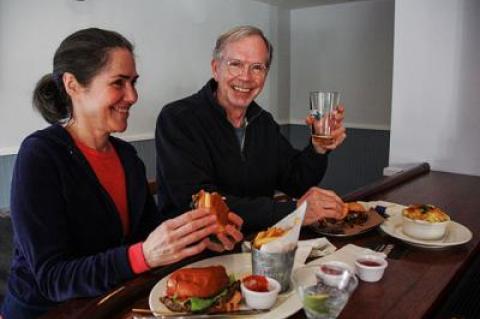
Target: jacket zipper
x,y
242,144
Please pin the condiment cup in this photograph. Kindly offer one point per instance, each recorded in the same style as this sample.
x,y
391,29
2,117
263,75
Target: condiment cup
x,y
370,268
425,230
261,300
330,272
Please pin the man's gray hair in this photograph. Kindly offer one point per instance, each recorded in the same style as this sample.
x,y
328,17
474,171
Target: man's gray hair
x,y
238,33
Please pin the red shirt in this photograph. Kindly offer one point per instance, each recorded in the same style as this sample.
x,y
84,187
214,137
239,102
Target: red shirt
x,y
111,175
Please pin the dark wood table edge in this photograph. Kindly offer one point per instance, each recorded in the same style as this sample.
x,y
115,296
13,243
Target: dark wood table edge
x,y
387,183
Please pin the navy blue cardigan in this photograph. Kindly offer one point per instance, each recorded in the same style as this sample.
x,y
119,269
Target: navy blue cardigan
x,y
68,239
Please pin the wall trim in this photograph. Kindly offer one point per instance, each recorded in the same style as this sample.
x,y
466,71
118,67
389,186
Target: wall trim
x,y
136,137
364,126
13,150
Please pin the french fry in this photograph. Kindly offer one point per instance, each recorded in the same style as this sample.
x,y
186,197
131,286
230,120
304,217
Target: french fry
x,y
267,236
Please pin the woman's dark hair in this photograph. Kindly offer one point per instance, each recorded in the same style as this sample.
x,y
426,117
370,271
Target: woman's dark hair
x,y
83,54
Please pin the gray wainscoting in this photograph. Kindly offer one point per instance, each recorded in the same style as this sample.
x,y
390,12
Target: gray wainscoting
x,y
358,161
6,169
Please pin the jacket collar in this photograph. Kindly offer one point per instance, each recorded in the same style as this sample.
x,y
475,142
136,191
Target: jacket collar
x,y
59,135
135,181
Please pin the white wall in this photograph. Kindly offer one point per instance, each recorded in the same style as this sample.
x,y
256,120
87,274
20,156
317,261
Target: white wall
x,y
346,47
280,73
436,85
173,38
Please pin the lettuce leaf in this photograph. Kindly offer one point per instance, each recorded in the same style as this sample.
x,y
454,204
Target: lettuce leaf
x,y
201,304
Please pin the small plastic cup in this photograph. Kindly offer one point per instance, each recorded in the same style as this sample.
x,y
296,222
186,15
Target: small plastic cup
x,y
370,268
261,300
330,272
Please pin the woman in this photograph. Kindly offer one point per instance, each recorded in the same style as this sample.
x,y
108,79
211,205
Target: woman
x,y
83,218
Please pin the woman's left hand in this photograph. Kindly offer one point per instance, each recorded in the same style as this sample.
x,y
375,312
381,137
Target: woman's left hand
x,y
230,236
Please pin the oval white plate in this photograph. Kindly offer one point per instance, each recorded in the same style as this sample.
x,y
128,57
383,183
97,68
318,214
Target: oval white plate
x,y
456,234
240,265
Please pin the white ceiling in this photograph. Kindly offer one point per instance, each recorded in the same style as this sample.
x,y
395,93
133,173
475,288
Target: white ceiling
x,y
293,4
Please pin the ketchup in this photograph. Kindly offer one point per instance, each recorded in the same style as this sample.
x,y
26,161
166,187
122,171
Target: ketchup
x,y
369,263
256,283
331,270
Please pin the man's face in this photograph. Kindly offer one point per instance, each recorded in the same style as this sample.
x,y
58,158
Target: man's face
x,y
241,72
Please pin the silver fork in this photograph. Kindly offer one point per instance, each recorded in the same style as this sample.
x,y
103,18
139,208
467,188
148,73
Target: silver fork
x,y
384,248
388,249
379,248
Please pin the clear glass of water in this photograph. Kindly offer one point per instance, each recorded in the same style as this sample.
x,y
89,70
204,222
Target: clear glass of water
x,y
321,300
323,106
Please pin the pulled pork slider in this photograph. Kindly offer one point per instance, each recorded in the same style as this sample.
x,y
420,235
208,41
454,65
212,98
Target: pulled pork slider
x,y
215,203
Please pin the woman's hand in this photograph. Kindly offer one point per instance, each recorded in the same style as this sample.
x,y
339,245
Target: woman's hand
x,y
322,204
230,237
180,237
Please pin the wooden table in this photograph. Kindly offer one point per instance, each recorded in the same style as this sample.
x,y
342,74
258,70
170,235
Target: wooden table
x,y
414,285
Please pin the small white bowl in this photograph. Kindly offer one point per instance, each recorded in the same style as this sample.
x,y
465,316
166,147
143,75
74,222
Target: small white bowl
x,y
261,300
421,229
331,272
370,268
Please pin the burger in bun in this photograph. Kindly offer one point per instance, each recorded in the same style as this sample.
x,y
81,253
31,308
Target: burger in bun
x,y
356,215
215,203
203,290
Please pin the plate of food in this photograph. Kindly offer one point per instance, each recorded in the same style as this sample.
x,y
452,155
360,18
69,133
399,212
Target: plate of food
x,y
360,219
426,226
163,296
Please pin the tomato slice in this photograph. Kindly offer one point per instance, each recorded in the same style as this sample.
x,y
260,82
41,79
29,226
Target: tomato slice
x,y
256,283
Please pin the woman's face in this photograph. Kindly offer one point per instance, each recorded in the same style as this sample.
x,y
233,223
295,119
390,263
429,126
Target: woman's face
x,y
103,106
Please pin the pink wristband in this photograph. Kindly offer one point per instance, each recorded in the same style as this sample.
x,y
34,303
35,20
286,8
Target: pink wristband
x,y
137,259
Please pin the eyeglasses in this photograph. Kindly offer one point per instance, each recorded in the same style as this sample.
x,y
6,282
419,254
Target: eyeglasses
x,y
236,67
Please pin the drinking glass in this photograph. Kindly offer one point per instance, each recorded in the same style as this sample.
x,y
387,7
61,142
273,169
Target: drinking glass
x,y
322,110
321,300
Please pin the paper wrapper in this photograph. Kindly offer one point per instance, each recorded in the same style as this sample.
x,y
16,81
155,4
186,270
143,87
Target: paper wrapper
x,y
292,222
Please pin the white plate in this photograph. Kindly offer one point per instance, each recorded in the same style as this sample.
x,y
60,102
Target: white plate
x,y
456,234
240,265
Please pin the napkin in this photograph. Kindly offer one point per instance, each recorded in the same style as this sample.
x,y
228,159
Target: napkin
x,y
293,222
312,248
347,254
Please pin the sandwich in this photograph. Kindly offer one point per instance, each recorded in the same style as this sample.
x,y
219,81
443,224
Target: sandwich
x,y
202,290
215,203
357,215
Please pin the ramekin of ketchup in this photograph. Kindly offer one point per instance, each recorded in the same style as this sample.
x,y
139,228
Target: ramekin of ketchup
x,y
370,268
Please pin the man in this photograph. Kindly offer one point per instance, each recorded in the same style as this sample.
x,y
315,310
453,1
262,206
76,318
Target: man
x,y
219,139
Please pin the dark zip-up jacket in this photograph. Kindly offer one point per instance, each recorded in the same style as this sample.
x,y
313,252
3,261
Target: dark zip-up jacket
x,y
197,148
68,237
